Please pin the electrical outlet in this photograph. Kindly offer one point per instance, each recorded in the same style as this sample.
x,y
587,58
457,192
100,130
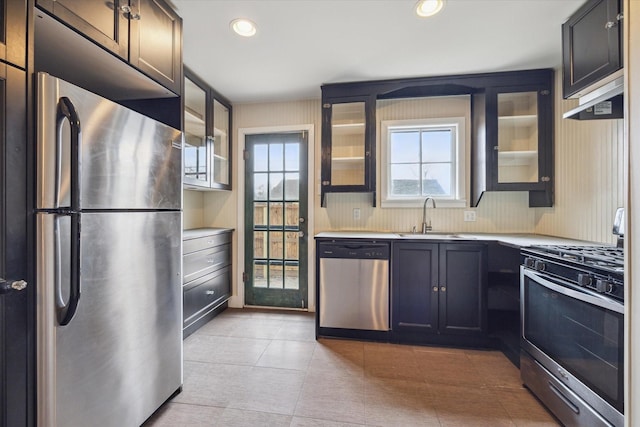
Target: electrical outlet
x,y
356,213
469,216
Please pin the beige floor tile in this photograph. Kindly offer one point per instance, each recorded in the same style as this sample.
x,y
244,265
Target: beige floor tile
x,y
465,413
211,384
269,390
313,422
523,408
287,355
342,410
297,331
261,368
242,418
178,414
232,350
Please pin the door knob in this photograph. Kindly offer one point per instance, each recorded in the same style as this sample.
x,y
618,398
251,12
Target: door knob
x,y
7,286
300,233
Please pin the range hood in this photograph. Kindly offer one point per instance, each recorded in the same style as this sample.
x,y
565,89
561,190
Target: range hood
x,y
605,102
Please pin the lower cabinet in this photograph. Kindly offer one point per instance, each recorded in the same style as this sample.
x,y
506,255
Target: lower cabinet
x,y
206,275
439,291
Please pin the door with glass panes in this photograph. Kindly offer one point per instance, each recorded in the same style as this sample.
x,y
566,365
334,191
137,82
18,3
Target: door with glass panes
x,y
275,271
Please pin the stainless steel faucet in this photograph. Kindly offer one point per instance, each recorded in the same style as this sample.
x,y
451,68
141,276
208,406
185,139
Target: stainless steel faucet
x,y
426,226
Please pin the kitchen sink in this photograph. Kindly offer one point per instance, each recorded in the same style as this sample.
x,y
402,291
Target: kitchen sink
x,y
434,236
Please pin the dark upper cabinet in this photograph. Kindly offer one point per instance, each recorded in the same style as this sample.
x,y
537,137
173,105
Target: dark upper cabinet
x,y
155,43
348,145
145,33
513,139
13,32
439,288
207,141
591,45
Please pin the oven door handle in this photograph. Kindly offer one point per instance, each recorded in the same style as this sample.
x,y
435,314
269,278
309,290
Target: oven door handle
x,y
568,291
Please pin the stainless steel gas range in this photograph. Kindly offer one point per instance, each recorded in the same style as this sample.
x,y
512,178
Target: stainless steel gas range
x,y
572,347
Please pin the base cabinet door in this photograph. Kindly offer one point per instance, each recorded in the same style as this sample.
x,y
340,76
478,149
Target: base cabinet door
x,y
463,287
414,276
439,288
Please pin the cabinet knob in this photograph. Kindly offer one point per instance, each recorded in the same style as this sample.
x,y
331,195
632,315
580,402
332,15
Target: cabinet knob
x,y
210,292
126,9
443,288
435,289
610,24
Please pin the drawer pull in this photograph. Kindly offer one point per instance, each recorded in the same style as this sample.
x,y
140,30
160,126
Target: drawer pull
x,y
210,260
210,292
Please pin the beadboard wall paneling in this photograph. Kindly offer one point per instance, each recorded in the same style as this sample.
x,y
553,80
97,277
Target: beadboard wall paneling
x,y
192,211
499,212
589,176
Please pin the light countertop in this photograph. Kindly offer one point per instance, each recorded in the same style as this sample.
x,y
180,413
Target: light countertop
x,y
511,239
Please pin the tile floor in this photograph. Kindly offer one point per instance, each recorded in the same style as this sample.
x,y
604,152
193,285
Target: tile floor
x,y
265,368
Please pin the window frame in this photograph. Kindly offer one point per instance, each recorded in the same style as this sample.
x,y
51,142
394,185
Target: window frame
x,y
458,124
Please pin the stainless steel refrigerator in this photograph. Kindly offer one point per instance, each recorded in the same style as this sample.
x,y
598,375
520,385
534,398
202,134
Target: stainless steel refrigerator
x,y
109,298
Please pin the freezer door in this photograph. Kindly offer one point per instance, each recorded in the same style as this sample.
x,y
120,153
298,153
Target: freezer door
x,y
95,154
120,355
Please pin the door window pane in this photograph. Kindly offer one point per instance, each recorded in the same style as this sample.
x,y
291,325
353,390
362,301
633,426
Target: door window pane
x,y
260,274
260,244
292,276
292,157
291,186
275,275
260,214
292,214
276,215
276,157
291,247
276,247
260,158
276,184
260,184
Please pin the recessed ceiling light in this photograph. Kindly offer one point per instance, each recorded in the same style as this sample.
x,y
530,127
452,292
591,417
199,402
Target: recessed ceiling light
x,y
244,27
425,8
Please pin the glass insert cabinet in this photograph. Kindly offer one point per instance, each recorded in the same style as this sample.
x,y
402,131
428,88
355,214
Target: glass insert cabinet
x,y
207,142
348,146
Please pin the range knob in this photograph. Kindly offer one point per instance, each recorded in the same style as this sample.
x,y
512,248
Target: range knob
x,y
528,262
602,285
539,265
584,279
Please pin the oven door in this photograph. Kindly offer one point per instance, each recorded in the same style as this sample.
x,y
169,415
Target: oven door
x,y
577,335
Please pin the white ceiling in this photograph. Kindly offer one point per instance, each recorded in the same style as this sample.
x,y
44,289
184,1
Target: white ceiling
x,y
302,44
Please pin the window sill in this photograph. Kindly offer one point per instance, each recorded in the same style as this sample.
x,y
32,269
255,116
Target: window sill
x,y
415,203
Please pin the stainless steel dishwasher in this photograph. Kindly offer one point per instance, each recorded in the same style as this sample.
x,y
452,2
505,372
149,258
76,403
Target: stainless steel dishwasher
x,y
354,285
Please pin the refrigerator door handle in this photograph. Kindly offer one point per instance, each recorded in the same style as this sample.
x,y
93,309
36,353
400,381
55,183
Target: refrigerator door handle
x,y
66,310
67,111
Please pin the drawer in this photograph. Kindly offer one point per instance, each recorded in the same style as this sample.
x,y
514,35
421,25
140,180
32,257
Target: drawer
x,y
200,243
206,293
197,264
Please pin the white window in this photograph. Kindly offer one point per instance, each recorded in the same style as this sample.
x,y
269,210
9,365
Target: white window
x,y
423,158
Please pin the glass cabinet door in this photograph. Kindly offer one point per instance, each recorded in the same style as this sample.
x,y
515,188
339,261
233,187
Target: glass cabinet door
x,y
518,137
196,148
348,144
220,143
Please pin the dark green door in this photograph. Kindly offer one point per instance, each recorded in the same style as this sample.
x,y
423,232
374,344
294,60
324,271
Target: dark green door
x,y
276,220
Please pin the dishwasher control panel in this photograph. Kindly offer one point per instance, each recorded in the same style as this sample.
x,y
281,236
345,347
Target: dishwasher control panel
x,y
354,250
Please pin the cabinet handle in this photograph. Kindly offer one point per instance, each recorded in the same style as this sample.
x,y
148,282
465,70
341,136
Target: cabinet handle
x,y
210,292
131,15
545,179
210,260
443,288
610,25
